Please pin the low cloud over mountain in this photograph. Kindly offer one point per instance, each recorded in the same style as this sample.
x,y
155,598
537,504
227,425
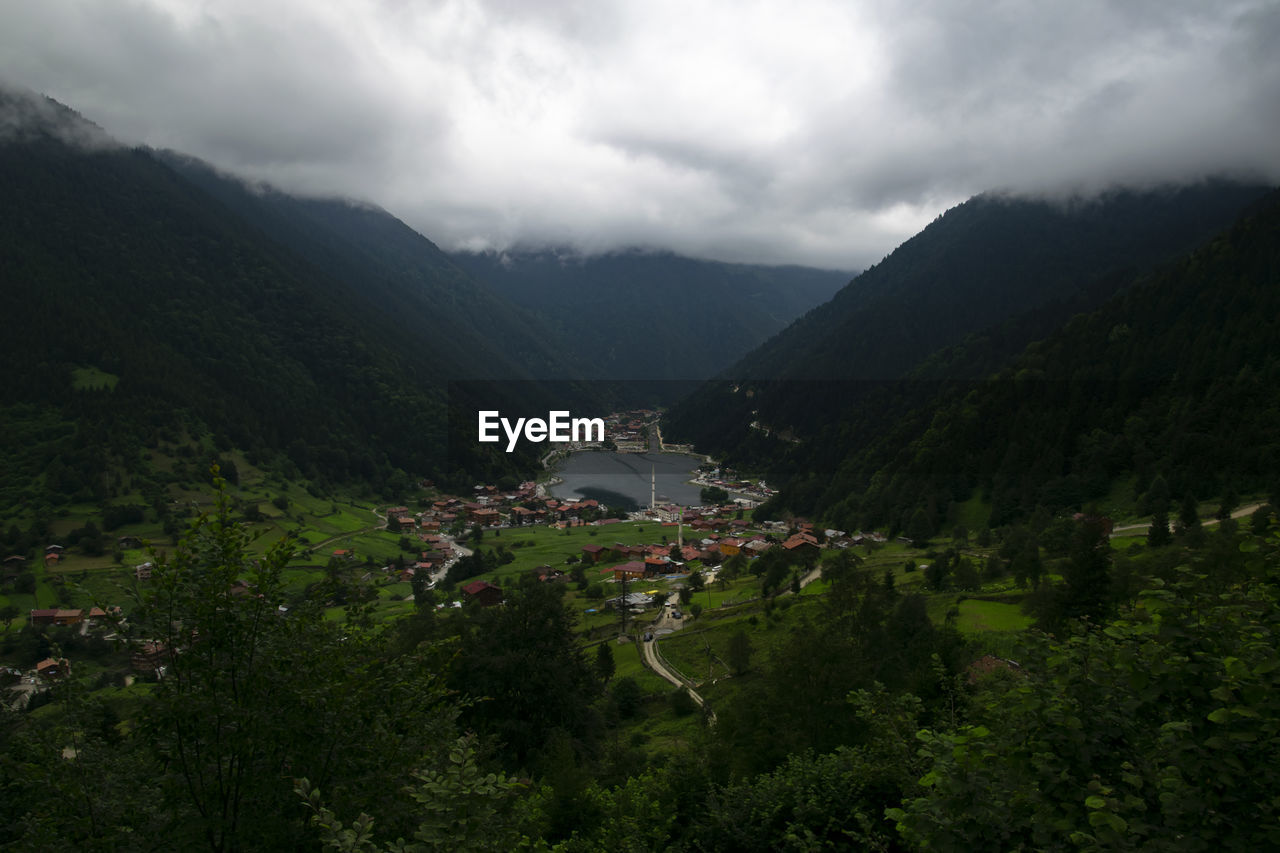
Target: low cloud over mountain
x,y
823,134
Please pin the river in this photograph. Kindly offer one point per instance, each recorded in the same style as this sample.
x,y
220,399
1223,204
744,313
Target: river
x,y
622,479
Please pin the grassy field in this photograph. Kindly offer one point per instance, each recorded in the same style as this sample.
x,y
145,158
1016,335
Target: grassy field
x,y
546,546
973,514
628,663
979,616
699,653
93,379
686,650
721,594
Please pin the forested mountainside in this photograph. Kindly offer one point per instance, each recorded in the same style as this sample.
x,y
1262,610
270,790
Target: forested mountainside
x,y
1175,378
653,314
987,259
415,287
1009,270
138,306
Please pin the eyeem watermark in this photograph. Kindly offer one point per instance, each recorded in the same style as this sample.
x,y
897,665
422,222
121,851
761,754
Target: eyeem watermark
x,y
558,426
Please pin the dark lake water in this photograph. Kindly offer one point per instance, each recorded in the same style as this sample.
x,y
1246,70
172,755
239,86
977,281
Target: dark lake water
x,y
622,479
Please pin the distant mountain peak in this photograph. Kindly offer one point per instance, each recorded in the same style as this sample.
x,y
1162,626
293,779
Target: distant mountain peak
x,y
27,117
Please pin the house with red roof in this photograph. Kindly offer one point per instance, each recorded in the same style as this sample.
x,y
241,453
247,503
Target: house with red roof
x,y
485,516
656,565
43,617
523,515
802,544
401,523
50,668
68,617
730,546
483,593
634,570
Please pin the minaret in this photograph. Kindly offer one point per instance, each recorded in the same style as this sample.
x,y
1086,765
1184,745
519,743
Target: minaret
x,y
653,489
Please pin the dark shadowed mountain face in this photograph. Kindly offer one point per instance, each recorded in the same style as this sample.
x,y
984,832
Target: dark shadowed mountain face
x,y
207,322
422,294
985,260
653,315
1176,377
993,273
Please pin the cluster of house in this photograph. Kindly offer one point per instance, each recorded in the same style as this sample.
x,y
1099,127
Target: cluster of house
x,y
756,490
641,560
14,564
627,429
54,554
51,668
647,561
437,551
55,616
491,507
712,540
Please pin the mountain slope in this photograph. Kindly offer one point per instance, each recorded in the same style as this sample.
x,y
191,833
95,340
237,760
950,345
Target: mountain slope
x,y
989,258
406,277
653,315
117,265
975,269
1178,376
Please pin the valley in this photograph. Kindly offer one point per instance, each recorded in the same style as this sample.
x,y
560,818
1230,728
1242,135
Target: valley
x,y
975,549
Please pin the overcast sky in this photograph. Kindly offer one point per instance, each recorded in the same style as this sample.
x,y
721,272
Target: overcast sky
x,y
793,132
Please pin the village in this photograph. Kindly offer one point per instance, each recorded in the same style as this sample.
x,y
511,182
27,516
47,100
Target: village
x,y
700,537
657,548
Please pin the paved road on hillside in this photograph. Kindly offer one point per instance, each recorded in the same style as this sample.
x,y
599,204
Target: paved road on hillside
x,y
649,651
1205,522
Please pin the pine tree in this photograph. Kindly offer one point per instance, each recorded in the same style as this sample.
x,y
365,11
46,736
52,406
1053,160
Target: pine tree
x,y
919,529
1027,567
1189,512
605,666
1230,501
1157,503
1157,497
1088,572
1189,529
1158,534
740,651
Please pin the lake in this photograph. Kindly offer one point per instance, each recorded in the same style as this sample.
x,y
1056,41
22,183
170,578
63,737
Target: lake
x,y
622,479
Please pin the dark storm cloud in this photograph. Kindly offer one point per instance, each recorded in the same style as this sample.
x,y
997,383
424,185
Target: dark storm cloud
x,y
819,132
